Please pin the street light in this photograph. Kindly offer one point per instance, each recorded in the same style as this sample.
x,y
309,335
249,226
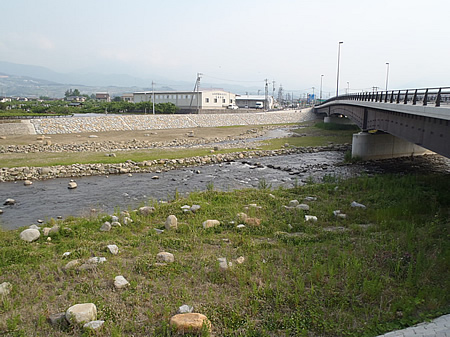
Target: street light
x,y
339,58
321,80
348,87
387,75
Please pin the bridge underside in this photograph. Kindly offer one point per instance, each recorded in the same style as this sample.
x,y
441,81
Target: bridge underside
x,y
428,132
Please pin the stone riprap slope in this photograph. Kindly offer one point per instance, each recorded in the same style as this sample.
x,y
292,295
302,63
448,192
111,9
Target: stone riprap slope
x,y
159,122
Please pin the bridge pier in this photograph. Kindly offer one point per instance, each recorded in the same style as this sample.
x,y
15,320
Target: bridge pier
x,y
382,146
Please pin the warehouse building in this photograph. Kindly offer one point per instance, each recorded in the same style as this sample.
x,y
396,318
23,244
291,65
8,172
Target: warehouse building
x,y
205,100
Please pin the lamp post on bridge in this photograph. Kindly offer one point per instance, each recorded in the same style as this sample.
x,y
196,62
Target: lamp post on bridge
x,y
387,75
339,58
321,80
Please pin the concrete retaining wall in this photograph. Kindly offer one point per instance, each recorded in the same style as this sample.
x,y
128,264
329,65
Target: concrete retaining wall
x,y
158,122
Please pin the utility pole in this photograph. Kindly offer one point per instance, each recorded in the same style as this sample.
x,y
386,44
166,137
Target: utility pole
x,y
153,97
266,94
314,97
273,89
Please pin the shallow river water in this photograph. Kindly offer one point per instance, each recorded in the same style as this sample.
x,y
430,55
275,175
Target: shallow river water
x,y
51,198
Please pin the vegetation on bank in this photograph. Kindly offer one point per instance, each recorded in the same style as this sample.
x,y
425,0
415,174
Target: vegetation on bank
x,y
381,268
61,108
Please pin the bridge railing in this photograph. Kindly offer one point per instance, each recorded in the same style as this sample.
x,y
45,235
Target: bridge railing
x,y
426,96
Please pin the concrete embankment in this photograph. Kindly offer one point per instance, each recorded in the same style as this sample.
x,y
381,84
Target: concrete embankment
x,y
159,122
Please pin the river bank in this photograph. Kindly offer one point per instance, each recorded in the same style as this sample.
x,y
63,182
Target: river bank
x,y
318,259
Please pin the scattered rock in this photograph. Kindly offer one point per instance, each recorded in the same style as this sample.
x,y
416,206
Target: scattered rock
x,y
5,288
30,235
240,260
34,227
358,205
210,223
335,229
195,208
303,207
116,224
310,199
189,323
310,218
242,216
223,264
146,210
293,203
58,319
186,208
93,325
240,226
155,177
81,313
253,221
185,309
114,218
66,254
9,202
113,249
171,222
72,264
106,227
28,182
120,282
165,257
127,220
158,231
96,260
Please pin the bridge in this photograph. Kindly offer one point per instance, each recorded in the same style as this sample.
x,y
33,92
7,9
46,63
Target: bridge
x,y
394,123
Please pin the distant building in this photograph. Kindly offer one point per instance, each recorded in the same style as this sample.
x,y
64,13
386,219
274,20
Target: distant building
x,y
254,101
76,98
102,97
127,97
189,101
5,99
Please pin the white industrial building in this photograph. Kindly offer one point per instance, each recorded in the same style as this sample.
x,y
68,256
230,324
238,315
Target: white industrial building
x,y
254,102
189,101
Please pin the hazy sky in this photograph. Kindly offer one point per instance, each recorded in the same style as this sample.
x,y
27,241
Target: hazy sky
x,y
292,42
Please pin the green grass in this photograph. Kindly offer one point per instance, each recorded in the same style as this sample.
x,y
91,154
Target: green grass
x,y
316,135
297,278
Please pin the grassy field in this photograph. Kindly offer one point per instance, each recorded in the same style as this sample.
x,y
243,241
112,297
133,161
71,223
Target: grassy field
x,y
381,268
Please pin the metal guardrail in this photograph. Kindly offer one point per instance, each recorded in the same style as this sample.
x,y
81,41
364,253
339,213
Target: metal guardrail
x,y
426,96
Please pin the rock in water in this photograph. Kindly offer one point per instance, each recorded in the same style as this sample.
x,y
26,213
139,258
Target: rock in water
x,y
72,185
30,235
9,202
190,323
81,313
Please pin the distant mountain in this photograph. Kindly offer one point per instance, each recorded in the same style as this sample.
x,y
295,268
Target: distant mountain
x,y
26,80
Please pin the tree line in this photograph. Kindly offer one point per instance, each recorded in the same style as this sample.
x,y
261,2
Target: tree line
x,y
89,106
